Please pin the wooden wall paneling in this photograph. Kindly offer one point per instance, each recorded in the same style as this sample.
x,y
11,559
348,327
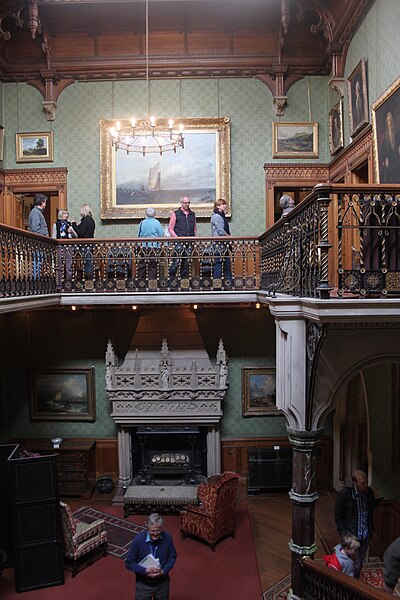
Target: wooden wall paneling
x,y
387,526
290,176
107,458
2,192
234,453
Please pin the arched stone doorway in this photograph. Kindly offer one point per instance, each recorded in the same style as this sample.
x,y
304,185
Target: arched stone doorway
x,y
351,435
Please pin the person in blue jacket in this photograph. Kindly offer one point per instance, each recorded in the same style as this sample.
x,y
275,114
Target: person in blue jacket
x,y
149,227
151,557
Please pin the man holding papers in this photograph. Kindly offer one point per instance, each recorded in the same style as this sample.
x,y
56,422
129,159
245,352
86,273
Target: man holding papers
x,y
151,557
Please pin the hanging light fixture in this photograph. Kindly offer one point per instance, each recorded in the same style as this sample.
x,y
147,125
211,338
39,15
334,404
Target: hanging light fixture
x,y
147,135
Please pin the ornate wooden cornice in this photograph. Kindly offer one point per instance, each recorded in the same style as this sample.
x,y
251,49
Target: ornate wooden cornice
x,y
295,172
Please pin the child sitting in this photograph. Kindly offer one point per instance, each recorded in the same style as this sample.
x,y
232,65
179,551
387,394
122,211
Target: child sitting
x,y
342,558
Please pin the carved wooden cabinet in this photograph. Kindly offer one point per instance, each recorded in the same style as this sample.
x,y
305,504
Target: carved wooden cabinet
x,y
75,463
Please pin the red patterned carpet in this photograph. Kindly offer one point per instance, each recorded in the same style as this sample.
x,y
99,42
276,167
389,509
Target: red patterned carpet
x,y
371,575
120,532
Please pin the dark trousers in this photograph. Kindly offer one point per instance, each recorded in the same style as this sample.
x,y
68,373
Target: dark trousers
x,y
182,251
160,591
360,557
151,263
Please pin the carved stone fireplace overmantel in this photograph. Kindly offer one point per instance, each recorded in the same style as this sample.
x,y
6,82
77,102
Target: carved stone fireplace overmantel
x,y
166,387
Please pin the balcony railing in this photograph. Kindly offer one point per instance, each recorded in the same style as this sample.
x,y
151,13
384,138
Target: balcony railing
x,y
341,240
31,264
322,583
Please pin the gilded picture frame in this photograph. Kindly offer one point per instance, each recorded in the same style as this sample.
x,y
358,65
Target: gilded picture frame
x,y
201,170
358,98
336,137
294,140
62,395
34,147
259,391
386,134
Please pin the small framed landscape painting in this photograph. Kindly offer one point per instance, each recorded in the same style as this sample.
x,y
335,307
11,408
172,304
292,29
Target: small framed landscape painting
x,y
259,391
294,140
34,147
62,395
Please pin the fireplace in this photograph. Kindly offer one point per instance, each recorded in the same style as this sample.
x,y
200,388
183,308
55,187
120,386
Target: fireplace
x,y
167,403
162,453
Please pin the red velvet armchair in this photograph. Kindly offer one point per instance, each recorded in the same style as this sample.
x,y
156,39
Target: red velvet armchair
x,y
214,517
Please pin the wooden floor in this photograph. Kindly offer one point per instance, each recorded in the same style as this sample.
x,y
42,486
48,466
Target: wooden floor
x,y
271,521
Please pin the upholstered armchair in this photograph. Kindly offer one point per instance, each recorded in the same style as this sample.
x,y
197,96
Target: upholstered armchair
x,y
83,542
214,517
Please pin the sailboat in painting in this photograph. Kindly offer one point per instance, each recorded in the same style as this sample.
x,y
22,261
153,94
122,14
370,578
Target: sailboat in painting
x,y
155,177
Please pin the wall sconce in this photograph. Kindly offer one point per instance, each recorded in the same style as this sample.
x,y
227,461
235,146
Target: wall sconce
x,y
258,305
134,307
73,307
195,306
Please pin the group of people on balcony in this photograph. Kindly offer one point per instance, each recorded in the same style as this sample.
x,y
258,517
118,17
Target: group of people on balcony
x,y
182,223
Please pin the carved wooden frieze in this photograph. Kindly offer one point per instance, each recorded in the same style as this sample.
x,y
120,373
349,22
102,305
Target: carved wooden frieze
x,y
358,151
52,176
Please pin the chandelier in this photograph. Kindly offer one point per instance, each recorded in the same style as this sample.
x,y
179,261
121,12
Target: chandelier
x,y
147,135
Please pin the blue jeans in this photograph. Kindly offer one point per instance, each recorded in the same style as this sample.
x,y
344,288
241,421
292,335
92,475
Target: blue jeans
x,y
221,257
37,263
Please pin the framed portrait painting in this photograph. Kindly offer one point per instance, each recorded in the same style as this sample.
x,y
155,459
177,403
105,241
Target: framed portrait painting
x,y
259,391
358,98
386,134
129,183
336,138
62,395
34,147
294,140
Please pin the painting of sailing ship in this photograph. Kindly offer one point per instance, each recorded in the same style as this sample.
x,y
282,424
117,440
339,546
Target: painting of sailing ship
x,y
154,179
62,394
130,183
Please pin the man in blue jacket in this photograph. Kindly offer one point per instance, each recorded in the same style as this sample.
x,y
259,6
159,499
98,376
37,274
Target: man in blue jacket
x,y
151,557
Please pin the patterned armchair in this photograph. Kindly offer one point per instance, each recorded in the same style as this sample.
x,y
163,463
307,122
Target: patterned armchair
x,y
81,540
214,518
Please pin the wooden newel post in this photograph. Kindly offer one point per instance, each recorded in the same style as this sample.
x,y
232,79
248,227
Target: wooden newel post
x,y
303,496
324,246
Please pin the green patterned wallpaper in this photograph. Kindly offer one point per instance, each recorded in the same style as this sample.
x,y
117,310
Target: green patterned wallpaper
x,y
247,102
377,41
66,339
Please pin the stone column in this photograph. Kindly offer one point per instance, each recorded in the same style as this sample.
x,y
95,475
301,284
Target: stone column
x,y
303,496
213,450
124,456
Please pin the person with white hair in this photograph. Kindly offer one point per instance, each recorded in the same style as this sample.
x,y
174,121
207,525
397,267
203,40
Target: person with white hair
x,y
287,204
151,557
148,260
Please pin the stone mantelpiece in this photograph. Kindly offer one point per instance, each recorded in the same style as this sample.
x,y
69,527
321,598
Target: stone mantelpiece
x,y
176,387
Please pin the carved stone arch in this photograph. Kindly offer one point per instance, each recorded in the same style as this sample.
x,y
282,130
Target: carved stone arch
x,y
321,415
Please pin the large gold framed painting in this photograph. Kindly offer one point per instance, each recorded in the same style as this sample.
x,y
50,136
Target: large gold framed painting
x,y
201,170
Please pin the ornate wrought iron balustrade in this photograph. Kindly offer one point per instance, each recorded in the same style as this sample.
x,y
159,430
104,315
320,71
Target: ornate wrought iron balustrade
x,y
294,251
368,224
28,263
322,583
341,240
159,264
